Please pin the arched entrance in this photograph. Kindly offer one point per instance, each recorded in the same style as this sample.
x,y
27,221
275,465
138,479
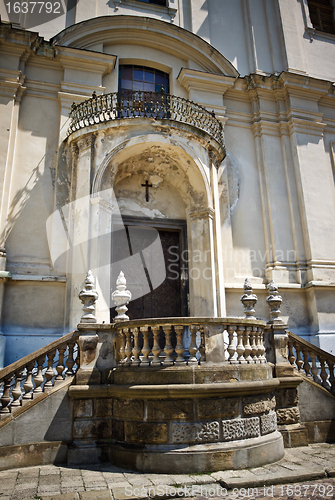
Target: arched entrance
x,y
162,227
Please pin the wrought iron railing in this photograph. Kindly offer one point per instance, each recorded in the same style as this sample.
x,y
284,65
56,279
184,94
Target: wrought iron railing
x,y
139,104
317,364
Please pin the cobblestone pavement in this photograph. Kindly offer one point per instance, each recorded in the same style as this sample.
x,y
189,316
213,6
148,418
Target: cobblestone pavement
x,y
304,473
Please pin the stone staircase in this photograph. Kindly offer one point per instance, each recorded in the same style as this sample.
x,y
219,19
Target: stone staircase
x,y
100,392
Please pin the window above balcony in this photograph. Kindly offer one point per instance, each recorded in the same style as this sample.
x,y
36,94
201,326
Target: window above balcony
x,y
142,78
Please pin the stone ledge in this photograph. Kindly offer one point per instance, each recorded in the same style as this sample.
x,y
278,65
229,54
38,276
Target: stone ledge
x,y
170,391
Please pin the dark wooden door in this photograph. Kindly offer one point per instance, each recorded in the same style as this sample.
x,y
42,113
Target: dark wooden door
x,y
167,299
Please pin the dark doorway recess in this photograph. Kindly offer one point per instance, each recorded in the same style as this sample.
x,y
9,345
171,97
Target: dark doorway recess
x,y
170,298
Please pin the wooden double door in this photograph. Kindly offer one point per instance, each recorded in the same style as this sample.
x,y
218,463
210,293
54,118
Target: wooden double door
x,y
159,250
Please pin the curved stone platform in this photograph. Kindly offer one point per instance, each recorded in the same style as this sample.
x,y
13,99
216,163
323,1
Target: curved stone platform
x,y
211,418
211,457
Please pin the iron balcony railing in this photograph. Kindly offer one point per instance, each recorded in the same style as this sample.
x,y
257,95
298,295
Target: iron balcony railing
x,y
139,104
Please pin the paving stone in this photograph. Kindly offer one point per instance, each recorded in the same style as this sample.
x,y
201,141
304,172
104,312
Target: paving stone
x,y
113,476
96,495
63,496
22,495
70,489
202,478
120,494
138,479
158,479
121,484
47,471
49,491
182,479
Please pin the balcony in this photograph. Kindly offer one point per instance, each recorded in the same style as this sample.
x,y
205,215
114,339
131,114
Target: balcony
x,y
152,105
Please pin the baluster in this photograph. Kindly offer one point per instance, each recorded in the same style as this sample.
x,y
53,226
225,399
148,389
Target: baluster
x,y
331,376
70,360
156,350
16,392
240,347
261,348
49,374
122,353
192,360
76,357
231,347
38,379
179,347
323,373
5,398
247,345
136,349
146,348
258,345
315,369
299,361
128,349
28,385
291,356
254,344
202,347
168,349
306,365
60,365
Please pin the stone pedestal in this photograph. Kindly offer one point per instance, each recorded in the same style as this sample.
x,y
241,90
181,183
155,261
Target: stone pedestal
x,y
193,418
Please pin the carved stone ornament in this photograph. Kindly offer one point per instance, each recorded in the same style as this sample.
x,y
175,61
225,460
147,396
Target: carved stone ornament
x,y
207,432
248,300
240,428
121,296
88,296
268,423
88,342
274,301
288,415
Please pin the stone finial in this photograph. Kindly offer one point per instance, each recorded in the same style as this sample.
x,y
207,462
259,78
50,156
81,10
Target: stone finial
x,y
88,296
274,301
248,300
121,296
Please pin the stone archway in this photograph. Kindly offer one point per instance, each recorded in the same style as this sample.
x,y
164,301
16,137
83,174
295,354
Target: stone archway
x,y
179,191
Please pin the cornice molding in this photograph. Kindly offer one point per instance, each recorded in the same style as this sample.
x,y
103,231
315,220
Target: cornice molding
x,y
192,79
78,59
146,32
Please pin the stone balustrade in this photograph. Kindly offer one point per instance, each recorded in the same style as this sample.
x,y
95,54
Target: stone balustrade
x,y
190,341
317,364
38,372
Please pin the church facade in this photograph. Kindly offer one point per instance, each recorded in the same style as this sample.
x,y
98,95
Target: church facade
x,y
188,144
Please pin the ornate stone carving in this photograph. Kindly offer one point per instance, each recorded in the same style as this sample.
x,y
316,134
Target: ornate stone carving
x,y
268,423
206,432
88,342
248,300
288,415
121,296
253,406
241,428
88,296
274,301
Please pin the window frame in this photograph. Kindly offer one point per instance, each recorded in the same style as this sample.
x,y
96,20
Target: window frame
x,y
312,32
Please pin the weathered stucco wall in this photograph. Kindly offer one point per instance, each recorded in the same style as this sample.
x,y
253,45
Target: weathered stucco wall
x,y
266,211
